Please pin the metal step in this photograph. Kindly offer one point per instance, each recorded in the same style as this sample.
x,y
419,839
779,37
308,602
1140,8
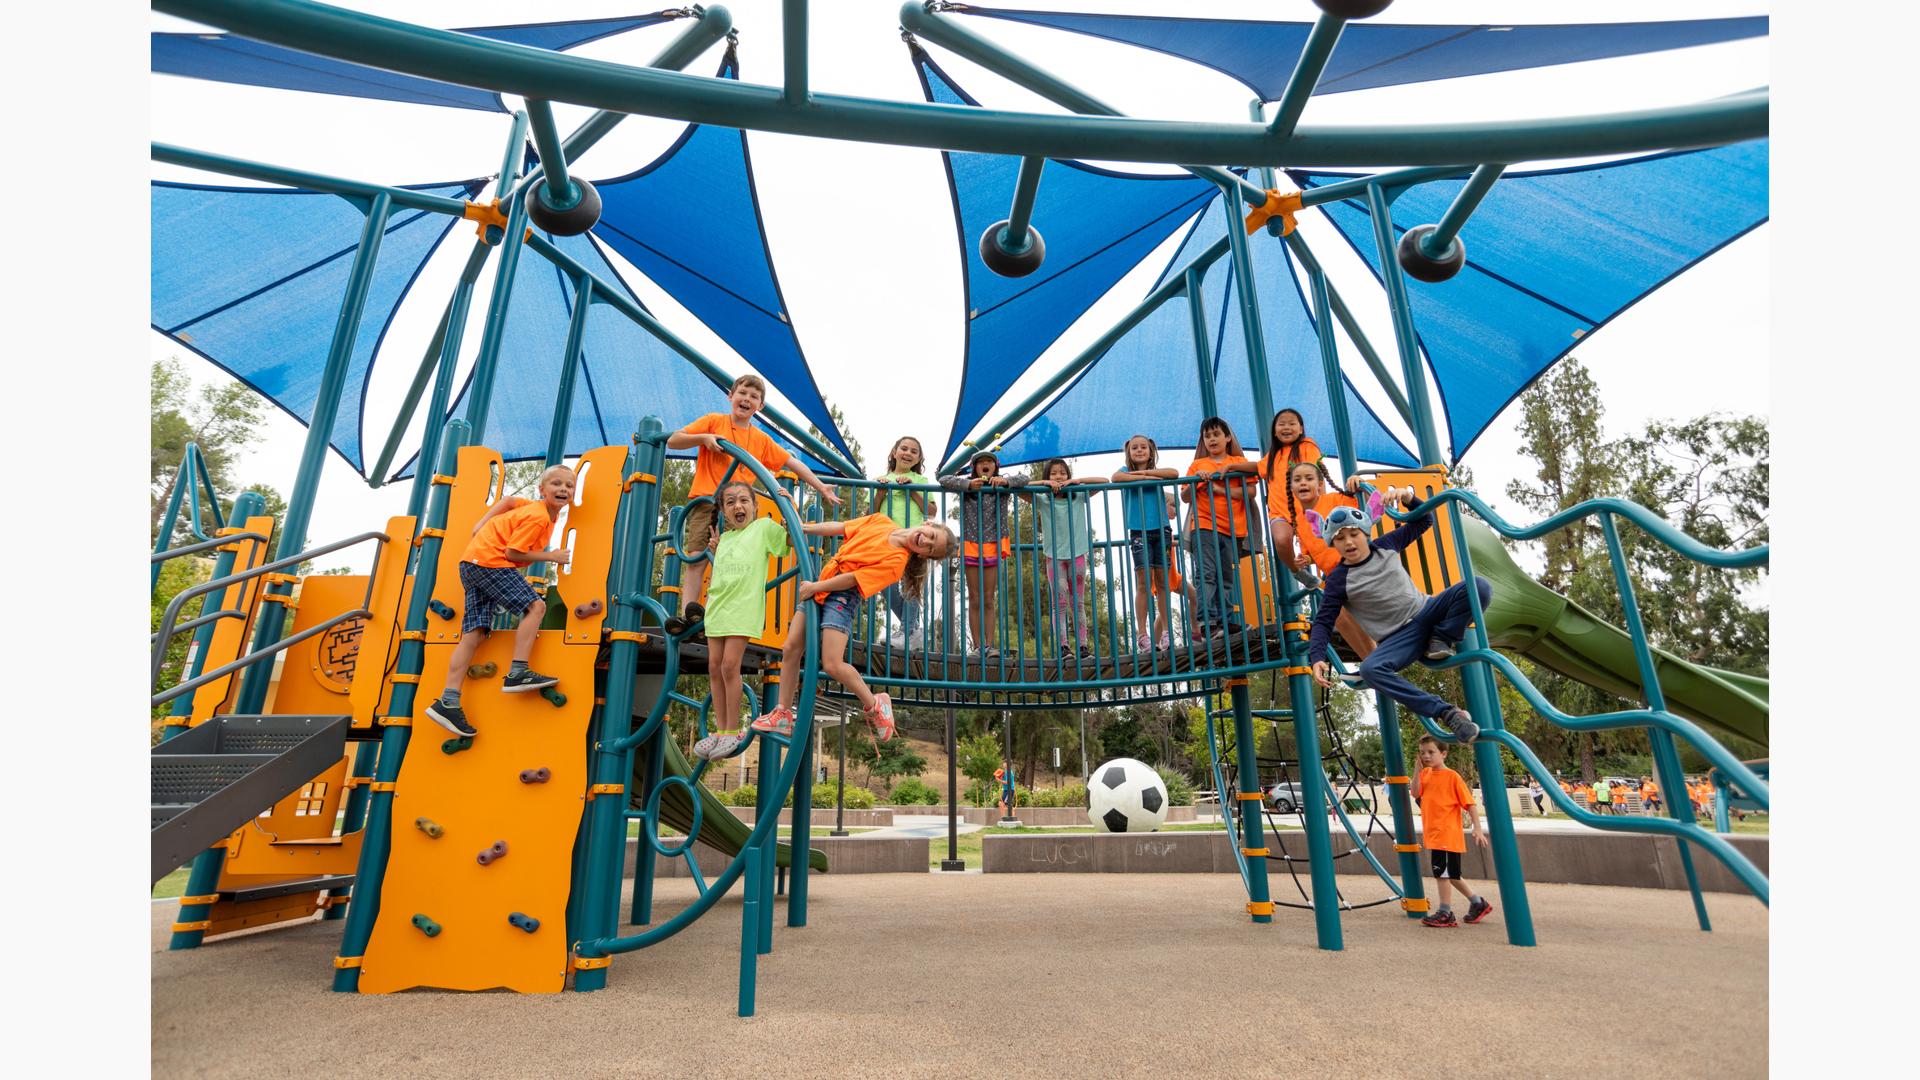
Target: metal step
x,y
270,890
211,779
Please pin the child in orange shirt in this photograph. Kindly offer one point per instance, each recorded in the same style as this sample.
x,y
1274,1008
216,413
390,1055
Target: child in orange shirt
x,y
1650,795
1219,526
512,533
874,554
1291,446
1309,490
747,397
1444,798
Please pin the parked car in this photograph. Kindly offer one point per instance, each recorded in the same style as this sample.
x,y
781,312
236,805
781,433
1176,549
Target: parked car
x,y
1285,797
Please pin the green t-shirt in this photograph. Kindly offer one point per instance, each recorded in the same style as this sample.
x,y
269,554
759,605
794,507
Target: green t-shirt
x,y
899,505
737,597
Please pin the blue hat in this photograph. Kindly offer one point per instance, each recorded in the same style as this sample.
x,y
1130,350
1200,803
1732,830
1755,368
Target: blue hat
x,y
1345,517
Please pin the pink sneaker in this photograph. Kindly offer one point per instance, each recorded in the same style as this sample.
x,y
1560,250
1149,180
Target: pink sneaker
x,y
1166,640
881,717
1143,643
777,722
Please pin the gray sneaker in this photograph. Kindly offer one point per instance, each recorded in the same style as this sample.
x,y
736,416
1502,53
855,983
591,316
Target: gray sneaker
x,y
1460,722
1440,648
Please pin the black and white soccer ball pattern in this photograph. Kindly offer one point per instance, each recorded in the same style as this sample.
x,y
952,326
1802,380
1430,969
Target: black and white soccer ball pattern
x,y
1124,795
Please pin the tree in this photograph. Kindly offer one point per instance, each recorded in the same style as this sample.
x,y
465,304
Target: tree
x,y
978,757
221,419
886,760
840,421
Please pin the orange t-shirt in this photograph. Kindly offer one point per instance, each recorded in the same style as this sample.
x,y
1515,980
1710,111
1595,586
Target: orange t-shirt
x,y
709,467
1443,796
524,528
1311,545
1273,469
866,554
1214,510
1649,790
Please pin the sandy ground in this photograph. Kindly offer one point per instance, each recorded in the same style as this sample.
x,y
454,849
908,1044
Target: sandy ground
x,y
903,976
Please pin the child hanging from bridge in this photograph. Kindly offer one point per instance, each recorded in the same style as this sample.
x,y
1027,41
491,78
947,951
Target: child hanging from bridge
x,y
513,533
737,607
1445,800
874,554
1403,621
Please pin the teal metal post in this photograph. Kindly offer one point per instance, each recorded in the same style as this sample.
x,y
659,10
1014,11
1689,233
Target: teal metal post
x,y
1330,370
1298,245
1306,73
562,192
1250,329
313,456
436,421
376,846
1202,348
1666,756
749,929
1315,798
628,580
1437,243
1404,336
1399,798
485,366
1249,809
770,798
569,369
644,876
802,833
1014,238
793,33
204,877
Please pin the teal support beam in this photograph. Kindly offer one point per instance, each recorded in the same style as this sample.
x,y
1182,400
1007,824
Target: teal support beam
x,y
359,192
1411,370
793,35
486,364
450,56
569,370
1014,238
801,834
614,296
1439,242
376,846
1400,801
1666,756
190,481
1247,293
1330,370
629,581
446,364
1314,800
1298,245
1248,810
1393,182
1202,347
749,931
1306,74
313,455
422,375
562,192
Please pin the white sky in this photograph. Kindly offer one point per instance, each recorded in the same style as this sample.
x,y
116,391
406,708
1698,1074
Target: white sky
x,y
870,290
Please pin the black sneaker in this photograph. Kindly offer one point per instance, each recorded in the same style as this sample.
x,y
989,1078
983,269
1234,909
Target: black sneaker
x,y
1440,649
451,717
1087,653
1479,909
1460,722
527,681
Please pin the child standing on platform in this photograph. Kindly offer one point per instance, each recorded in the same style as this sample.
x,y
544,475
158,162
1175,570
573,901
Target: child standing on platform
x,y
1291,447
1149,541
738,610
1066,539
907,509
873,555
985,501
747,397
512,534
1219,526
1445,801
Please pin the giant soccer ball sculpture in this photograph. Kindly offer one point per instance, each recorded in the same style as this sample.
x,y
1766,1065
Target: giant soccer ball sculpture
x,y
1125,795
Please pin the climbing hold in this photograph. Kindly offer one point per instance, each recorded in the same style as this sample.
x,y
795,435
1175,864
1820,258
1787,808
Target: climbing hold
x,y
536,776
429,826
553,695
524,922
454,746
498,849
440,608
1418,264
587,610
572,221
482,671
427,926
1012,264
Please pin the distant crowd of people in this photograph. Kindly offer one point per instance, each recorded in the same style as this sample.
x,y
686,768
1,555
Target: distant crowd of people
x,y
1624,795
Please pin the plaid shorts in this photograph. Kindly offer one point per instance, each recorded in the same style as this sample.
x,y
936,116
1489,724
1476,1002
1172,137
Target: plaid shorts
x,y
490,585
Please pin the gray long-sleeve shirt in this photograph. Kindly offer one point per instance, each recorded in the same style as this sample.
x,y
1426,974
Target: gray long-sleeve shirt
x,y
983,511
1377,591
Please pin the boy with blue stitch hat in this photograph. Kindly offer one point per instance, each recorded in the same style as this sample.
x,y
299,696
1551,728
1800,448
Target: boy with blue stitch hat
x,y
1371,585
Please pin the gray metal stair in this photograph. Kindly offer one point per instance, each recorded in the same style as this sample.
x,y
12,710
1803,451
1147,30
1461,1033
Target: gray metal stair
x,y
210,780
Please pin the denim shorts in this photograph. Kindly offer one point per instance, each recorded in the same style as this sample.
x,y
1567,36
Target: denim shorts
x,y
838,610
1150,548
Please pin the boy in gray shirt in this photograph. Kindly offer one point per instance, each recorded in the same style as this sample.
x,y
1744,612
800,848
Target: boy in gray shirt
x,y
1372,585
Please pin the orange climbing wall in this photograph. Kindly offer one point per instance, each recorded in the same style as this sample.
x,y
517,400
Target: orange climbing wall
x,y
1433,563
476,795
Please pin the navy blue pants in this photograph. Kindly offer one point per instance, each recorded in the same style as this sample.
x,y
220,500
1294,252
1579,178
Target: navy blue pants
x,y
1445,616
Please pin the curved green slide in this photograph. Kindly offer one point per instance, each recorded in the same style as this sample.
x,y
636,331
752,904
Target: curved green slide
x,y
1528,618
719,829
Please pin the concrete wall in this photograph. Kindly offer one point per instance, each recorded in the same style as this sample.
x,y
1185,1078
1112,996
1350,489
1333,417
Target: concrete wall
x,y
1583,858
1051,815
820,817
845,855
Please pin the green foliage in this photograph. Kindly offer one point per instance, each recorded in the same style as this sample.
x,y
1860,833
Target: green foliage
x,y
744,795
1121,736
978,757
914,791
221,418
886,760
982,793
1068,795
1179,788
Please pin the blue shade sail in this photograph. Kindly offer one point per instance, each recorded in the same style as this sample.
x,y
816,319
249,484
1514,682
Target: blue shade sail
x,y
1262,54
690,222
232,59
625,372
1098,225
252,280
1553,256
1148,383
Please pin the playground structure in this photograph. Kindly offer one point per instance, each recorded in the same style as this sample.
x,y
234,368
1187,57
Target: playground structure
x,y
498,861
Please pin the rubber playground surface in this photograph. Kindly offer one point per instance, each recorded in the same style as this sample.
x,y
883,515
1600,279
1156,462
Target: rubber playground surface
x,y
1028,975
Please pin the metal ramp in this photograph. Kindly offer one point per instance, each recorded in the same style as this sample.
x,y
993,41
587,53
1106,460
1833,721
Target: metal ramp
x,y
211,779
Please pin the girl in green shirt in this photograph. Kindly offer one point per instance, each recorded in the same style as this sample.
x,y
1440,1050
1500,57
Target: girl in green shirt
x,y
736,607
907,508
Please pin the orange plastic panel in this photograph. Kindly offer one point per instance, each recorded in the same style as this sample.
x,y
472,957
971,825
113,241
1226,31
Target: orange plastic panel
x,y
1433,563
228,917
230,636
1256,592
780,601
596,499
380,633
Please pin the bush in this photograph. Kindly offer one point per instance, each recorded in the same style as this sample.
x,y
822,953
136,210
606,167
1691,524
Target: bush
x,y
826,795
982,793
744,795
1070,796
1179,788
914,791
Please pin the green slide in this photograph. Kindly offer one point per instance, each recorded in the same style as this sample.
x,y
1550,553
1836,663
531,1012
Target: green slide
x,y
719,829
1528,618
